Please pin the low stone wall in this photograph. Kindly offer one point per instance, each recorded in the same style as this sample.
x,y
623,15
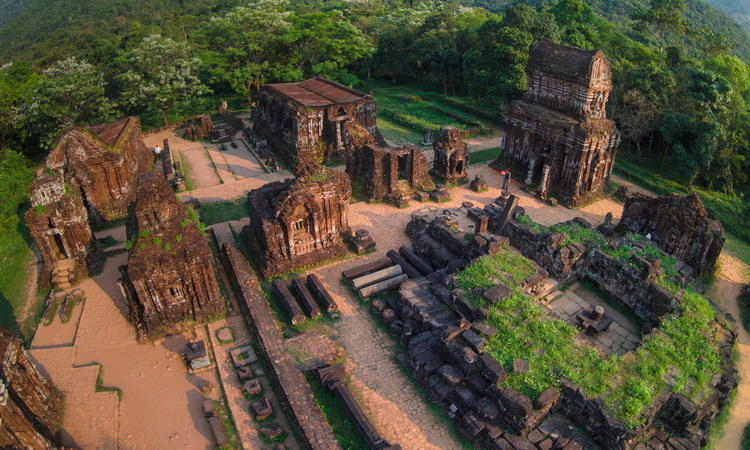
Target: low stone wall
x,y
562,263
297,393
627,285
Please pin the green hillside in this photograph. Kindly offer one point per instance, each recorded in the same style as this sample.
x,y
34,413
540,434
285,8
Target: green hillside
x,y
699,12
739,10
46,30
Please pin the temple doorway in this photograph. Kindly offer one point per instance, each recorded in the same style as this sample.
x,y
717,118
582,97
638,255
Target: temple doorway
x,y
58,246
403,167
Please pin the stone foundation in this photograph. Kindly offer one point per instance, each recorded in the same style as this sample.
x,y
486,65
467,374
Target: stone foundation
x,y
313,426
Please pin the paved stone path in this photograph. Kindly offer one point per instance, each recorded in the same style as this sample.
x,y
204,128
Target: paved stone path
x,y
622,335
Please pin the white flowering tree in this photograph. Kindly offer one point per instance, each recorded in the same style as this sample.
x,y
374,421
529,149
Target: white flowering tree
x,y
158,73
70,92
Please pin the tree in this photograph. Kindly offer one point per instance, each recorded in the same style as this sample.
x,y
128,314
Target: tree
x,y
637,116
497,68
540,25
70,92
325,43
15,175
247,46
664,17
160,72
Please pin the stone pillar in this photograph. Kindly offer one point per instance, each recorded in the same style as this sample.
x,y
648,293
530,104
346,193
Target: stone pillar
x,y
530,173
544,183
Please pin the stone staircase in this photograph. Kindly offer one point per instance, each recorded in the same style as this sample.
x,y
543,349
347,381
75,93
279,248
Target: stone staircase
x,y
63,274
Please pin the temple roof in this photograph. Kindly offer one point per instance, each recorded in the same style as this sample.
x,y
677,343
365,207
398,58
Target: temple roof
x,y
110,133
564,62
317,92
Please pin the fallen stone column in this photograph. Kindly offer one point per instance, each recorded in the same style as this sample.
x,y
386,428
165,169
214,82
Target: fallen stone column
x,y
407,268
382,286
364,269
305,297
288,302
377,276
321,293
415,260
332,378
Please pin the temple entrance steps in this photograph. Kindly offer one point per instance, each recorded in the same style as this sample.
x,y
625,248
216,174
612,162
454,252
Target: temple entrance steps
x,y
63,274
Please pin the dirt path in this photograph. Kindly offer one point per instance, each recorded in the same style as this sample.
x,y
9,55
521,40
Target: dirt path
x,y
143,372
725,291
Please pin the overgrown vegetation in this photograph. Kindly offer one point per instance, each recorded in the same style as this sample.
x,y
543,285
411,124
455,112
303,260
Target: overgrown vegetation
x,y
683,348
227,423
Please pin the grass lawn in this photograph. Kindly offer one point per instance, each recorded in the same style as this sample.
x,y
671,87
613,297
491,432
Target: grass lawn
x,y
483,156
405,112
684,347
191,108
15,256
224,210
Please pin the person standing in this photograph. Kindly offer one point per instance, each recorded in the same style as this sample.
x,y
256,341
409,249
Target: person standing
x,y
506,179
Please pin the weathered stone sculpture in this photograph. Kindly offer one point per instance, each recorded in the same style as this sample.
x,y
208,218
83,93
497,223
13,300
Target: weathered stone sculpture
x,y
385,173
558,135
679,225
88,177
299,222
30,406
170,276
451,156
305,121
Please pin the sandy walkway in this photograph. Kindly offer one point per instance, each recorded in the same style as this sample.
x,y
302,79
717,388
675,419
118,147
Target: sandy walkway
x,y
144,372
198,168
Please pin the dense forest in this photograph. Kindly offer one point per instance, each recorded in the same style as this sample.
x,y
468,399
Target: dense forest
x,y
739,10
680,66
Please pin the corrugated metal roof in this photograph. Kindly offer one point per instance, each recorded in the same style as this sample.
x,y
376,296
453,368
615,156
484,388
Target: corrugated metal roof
x,y
318,92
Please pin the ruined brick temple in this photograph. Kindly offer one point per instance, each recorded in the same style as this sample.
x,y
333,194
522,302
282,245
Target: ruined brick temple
x,y
451,156
679,225
386,173
558,136
300,221
89,176
30,406
170,276
305,121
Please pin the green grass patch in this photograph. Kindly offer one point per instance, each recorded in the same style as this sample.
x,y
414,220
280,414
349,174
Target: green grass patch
x,y
224,210
483,156
404,112
343,427
227,423
746,438
684,347
15,258
100,387
186,174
